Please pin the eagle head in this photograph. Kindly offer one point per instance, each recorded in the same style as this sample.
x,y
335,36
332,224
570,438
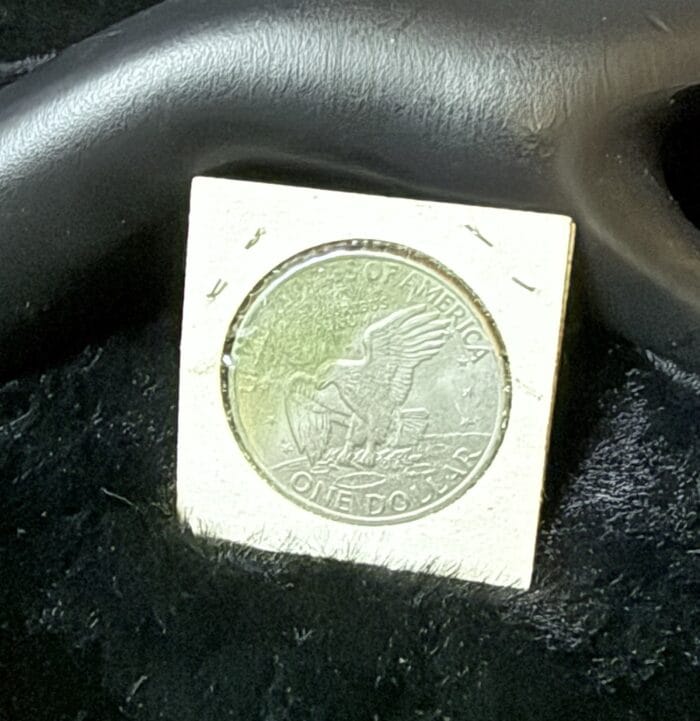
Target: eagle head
x,y
327,374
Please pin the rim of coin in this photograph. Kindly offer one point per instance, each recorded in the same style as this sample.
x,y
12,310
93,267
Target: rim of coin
x,y
386,250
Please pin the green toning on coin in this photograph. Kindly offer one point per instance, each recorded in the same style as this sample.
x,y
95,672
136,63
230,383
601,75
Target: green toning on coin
x,y
366,383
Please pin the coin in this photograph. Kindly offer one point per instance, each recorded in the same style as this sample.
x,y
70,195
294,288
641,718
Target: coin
x,y
365,382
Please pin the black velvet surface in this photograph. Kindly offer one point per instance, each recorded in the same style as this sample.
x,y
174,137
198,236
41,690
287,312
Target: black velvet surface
x,y
110,610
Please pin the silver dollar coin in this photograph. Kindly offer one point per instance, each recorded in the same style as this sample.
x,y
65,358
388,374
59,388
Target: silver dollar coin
x,y
366,383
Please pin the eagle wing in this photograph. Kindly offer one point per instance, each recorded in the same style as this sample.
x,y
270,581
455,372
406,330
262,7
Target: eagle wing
x,y
309,420
396,344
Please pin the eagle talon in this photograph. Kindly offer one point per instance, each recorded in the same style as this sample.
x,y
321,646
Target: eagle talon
x,y
367,456
343,455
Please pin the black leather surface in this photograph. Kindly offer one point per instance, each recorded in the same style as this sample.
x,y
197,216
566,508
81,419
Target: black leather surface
x,y
554,105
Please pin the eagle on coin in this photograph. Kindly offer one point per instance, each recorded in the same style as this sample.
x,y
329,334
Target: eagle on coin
x,y
373,389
